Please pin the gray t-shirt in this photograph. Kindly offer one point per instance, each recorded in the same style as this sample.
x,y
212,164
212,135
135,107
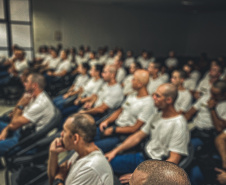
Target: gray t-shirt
x,y
92,169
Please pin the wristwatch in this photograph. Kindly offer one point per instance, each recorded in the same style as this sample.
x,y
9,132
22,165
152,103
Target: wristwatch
x,y
58,181
21,107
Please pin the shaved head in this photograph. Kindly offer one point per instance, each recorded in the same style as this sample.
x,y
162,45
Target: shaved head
x,y
143,76
155,172
170,90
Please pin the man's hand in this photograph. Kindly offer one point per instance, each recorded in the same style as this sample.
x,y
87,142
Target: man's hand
x,y
88,105
57,146
125,178
77,101
211,103
25,99
82,112
221,177
108,131
110,155
103,125
63,171
4,133
50,73
66,95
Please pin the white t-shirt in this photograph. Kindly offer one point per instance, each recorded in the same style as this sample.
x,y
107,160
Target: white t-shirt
x,y
64,65
112,96
54,62
165,77
166,135
80,60
91,169
171,62
92,86
20,66
80,81
144,62
203,118
183,101
39,111
110,60
134,109
120,75
102,59
129,61
128,88
190,84
153,84
93,62
195,75
204,86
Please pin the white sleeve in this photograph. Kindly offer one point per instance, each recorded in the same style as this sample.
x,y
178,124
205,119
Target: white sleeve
x,y
34,113
186,103
179,139
145,112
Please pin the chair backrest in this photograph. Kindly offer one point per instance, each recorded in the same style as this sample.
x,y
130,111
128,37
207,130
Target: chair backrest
x,y
184,163
34,137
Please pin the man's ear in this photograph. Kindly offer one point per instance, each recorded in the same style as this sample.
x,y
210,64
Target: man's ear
x,y
169,100
76,138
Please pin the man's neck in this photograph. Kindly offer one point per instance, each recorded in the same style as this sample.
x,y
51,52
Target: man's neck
x,y
169,112
154,76
180,88
112,82
142,92
86,149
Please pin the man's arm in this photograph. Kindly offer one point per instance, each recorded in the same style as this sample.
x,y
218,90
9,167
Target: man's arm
x,y
130,142
110,119
174,158
125,130
53,167
189,114
96,110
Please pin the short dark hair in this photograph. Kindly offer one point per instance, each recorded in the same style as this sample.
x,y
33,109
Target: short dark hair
x,y
98,68
39,79
84,125
85,65
220,84
182,73
163,172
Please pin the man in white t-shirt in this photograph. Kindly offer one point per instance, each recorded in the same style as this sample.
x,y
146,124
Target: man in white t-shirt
x,y
205,84
87,165
184,98
171,62
33,109
210,112
155,79
121,72
130,117
110,96
169,135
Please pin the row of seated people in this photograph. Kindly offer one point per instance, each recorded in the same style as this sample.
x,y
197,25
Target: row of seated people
x,y
111,98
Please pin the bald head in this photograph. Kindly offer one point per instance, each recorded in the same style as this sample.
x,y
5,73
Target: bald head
x,y
170,90
154,172
143,76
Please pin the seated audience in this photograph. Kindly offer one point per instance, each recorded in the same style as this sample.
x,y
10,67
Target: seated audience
x,y
169,135
34,109
129,59
144,59
110,96
171,62
129,118
121,73
87,165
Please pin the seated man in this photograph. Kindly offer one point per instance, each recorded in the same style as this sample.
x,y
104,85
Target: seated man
x,y
169,135
79,82
158,173
184,99
211,115
155,79
17,66
34,109
110,96
87,165
130,117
